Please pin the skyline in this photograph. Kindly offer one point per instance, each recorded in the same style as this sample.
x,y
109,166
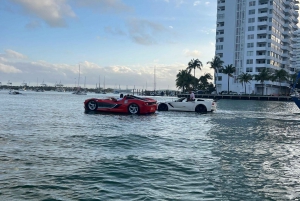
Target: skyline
x,y
118,39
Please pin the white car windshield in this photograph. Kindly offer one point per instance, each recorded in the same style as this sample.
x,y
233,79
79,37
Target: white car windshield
x,y
180,99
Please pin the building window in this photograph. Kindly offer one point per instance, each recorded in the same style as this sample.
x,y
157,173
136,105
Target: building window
x,y
251,20
251,36
219,78
249,45
251,28
249,70
252,3
252,12
249,53
249,61
219,47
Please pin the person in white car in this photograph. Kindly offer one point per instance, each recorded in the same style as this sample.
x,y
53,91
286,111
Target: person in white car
x,y
192,96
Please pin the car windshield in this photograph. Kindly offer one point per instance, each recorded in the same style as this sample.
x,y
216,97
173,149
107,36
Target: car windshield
x,y
180,100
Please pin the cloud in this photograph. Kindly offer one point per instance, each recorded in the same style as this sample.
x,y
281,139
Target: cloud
x,y
194,53
171,27
51,12
12,54
105,6
114,31
9,69
145,32
196,3
33,25
207,3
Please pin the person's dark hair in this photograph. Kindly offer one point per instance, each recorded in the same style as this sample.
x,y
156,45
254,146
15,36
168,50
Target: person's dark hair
x,y
121,95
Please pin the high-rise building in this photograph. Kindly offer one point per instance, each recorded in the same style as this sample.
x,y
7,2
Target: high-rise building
x,y
256,34
297,51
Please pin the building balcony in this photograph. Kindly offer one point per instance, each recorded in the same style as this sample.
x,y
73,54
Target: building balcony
x,y
264,31
263,6
295,19
293,39
261,57
262,40
288,18
287,33
262,14
295,27
263,23
285,55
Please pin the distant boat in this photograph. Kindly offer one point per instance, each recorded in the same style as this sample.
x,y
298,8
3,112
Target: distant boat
x,y
103,92
79,91
14,92
295,95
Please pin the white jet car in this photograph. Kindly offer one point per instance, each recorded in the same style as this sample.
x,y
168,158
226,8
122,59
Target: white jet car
x,y
199,105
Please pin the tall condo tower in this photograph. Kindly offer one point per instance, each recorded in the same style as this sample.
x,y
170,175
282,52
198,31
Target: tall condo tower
x,y
256,34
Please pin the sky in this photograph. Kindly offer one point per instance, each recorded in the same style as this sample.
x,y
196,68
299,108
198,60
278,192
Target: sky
x,y
119,42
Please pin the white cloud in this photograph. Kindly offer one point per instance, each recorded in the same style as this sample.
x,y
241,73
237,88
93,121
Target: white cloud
x,y
13,54
145,32
196,3
171,27
207,3
52,12
193,53
8,69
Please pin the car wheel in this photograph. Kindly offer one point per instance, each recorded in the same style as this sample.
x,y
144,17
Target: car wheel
x,y
162,107
133,108
91,105
201,109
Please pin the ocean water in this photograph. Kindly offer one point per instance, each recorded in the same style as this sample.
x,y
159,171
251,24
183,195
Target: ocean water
x,y
51,150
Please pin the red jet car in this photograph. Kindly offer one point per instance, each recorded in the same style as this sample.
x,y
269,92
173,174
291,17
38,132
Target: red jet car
x,y
129,104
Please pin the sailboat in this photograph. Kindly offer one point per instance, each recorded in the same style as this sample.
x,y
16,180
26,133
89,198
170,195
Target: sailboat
x,y
295,95
103,92
79,91
98,90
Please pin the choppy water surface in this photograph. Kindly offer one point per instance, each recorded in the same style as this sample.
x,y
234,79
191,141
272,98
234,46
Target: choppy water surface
x,y
51,150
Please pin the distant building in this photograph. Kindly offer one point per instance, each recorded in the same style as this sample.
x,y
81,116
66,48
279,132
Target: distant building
x,y
297,52
256,34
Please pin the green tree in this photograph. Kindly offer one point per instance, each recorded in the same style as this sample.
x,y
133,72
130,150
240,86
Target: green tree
x,y
192,65
262,77
183,80
203,81
228,70
280,76
217,64
245,78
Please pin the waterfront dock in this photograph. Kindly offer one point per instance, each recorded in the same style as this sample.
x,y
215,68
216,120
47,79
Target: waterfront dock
x,y
240,97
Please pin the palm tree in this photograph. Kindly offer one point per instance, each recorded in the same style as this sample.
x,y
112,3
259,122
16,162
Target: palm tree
x,y
193,64
204,80
262,77
183,80
280,76
228,70
217,64
245,78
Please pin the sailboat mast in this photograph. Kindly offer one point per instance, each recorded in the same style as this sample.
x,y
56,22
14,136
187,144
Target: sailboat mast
x,y
104,84
79,76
